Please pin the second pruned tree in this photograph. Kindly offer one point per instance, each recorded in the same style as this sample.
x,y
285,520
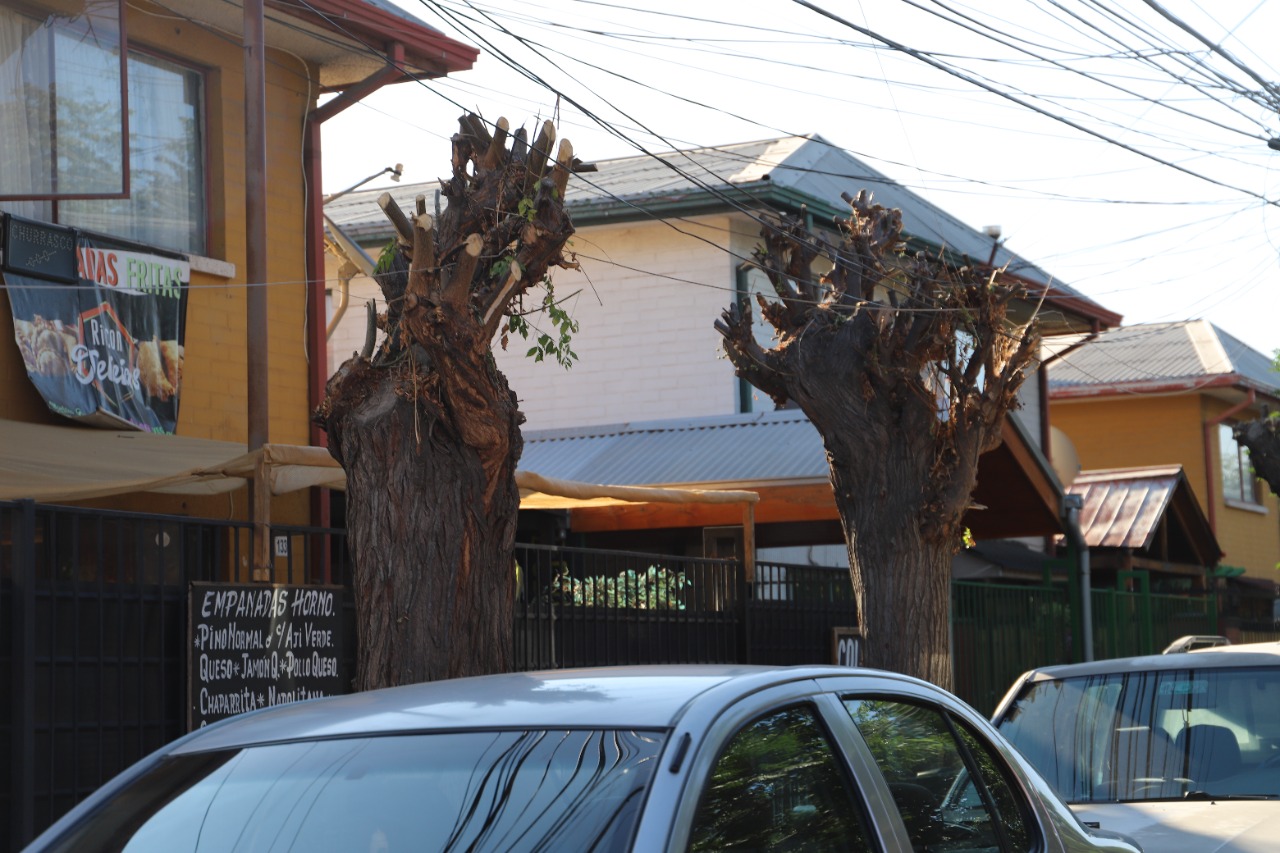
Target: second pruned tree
x,y
906,365
1262,438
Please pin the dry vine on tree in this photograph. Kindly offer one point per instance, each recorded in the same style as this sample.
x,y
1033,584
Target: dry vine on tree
x,y
427,428
906,365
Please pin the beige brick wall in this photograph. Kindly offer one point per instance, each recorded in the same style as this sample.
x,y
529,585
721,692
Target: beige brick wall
x,y
629,367
348,335
645,302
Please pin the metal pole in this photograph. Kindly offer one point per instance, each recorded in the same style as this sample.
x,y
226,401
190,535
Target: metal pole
x,y
255,252
1072,504
255,179
22,770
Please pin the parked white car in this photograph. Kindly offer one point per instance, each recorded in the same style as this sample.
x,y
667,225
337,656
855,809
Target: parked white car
x,y
1179,751
632,758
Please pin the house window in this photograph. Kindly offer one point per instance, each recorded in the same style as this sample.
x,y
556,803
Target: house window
x,y
62,103
1239,483
937,376
166,203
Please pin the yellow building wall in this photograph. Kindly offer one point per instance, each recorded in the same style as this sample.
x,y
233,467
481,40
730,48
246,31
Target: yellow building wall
x,y
1249,534
1134,431
213,396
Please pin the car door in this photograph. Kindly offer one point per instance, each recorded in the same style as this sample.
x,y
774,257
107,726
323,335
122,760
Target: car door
x,y
951,788
875,766
769,773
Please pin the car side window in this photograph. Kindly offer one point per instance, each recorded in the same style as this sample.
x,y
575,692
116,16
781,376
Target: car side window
x,y
1010,809
778,785
946,781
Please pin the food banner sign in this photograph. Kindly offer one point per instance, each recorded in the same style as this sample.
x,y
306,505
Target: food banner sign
x,y
99,322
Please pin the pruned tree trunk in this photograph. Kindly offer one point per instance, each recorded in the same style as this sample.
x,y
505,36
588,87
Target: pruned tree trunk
x,y
430,517
428,430
899,545
906,366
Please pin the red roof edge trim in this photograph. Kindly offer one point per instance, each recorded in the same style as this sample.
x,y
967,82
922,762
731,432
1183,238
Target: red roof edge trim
x,y
1161,386
1083,306
424,46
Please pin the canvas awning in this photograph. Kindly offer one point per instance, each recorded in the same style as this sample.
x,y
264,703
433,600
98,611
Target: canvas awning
x,y
57,464
54,463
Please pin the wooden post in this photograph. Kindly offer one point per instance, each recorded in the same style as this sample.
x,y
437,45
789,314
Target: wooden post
x,y
749,541
261,494
257,331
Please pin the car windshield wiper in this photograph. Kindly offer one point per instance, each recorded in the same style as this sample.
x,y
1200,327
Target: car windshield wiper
x,y
1209,795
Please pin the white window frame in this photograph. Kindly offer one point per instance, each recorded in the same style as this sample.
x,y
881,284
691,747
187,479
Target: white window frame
x,y
1239,483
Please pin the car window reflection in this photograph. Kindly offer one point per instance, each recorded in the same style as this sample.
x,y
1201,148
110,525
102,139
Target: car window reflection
x,y
947,784
779,786
1157,735
481,791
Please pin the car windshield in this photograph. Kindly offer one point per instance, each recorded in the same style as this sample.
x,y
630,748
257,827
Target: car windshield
x,y
1158,735
499,791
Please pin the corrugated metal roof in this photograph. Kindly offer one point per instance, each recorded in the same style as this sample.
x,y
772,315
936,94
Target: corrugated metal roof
x,y
1124,507
755,447
757,450
1189,350
807,165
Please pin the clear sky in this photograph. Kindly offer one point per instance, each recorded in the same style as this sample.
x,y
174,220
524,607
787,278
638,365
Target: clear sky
x,y
1122,153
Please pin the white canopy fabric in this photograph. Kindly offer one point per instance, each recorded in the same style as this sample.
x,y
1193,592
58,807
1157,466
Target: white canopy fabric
x,y
64,463
539,492
57,463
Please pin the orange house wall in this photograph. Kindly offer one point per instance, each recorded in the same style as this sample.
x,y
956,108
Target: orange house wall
x,y
1137,431
214,403
1250,535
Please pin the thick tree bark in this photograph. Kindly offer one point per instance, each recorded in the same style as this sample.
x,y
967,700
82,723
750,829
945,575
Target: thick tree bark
x,y
885,477
428,430
432,521
906,367
1262,437
899,570
902,586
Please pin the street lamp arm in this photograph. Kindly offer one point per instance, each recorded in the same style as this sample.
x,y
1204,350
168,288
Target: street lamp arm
x,y
396,171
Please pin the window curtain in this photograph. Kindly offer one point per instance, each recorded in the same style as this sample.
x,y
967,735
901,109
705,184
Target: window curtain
x,y
25,156
60,87
1238,480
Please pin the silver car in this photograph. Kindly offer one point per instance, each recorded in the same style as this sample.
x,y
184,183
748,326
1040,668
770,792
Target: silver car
x,y
630,758
1180,751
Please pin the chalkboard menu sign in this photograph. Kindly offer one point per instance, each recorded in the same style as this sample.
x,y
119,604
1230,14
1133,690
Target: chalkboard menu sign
x,y
258,645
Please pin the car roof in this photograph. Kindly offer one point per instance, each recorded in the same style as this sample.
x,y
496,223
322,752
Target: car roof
x,y
1272,648
628,697
1216,657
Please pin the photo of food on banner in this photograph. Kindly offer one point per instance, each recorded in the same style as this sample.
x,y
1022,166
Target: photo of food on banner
x,y
101,331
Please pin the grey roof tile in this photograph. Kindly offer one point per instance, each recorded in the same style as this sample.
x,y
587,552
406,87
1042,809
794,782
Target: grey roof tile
x,y
1151,353
748,448
807,165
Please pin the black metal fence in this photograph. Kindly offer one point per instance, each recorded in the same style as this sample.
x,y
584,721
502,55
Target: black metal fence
x,y
793,610
580,607
93,650
93,629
